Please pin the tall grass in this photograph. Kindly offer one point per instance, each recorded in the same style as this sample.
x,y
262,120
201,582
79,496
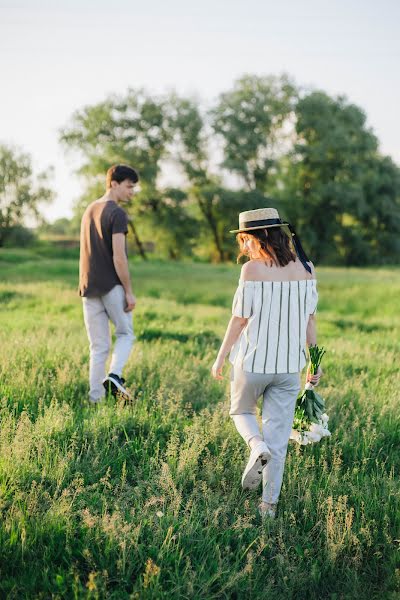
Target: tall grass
x,y
144,500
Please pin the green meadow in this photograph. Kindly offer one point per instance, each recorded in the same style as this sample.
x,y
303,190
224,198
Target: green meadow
x,y
143,501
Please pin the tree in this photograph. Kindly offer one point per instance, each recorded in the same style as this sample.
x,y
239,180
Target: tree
x,y
326,184
179,230
62,226
220,207
213,204
20,192
251,120
189,140
217,205
378,224
133,129
314,154
190,147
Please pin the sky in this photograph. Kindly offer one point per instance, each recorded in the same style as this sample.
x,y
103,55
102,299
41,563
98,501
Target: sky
x,y
57,57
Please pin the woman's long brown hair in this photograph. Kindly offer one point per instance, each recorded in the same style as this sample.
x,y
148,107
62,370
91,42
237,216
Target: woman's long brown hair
x,y
275,245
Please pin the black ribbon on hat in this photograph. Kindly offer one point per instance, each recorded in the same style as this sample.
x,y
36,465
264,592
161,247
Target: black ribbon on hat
x,y
295,238
299,249
260,222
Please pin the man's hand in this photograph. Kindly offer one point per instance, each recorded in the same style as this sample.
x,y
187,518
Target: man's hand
x,y
216,369
314,379
130,301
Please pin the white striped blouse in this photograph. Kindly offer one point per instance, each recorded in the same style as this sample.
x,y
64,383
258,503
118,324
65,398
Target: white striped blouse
x,y
274,338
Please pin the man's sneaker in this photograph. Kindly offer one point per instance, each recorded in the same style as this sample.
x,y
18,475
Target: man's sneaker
x,y
116,386
267,510
252,474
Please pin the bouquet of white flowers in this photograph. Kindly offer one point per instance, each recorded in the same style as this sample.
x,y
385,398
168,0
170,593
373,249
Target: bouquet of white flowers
x,y
310,423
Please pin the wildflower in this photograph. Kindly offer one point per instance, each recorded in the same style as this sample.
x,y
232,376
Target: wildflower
x,y
151,572
91,583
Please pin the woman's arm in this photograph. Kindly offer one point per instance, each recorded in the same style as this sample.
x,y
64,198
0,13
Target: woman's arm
x,y
235,327
311,337
311,331
312,341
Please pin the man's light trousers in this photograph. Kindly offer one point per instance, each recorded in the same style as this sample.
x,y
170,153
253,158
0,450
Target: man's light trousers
x,y
98,312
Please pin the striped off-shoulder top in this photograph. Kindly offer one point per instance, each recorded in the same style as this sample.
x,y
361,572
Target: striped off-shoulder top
x,y
274,339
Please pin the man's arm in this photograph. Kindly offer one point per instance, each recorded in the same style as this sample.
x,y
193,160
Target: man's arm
x,y
121,266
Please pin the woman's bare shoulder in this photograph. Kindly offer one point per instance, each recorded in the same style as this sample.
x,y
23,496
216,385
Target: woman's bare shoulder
x,y
312,269
301,272
254,270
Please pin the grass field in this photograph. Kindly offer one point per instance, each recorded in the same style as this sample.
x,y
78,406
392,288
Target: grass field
x,y
144,501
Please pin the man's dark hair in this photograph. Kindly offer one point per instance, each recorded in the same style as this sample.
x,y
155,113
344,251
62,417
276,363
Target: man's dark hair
x,y
119,173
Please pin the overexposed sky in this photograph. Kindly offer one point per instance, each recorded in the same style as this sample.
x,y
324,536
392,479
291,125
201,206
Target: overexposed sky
x,y
58,56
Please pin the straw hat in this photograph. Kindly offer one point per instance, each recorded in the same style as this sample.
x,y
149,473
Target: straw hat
x,y
260,218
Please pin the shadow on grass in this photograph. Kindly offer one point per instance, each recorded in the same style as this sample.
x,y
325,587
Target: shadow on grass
x,y
344,324
202,338
7,296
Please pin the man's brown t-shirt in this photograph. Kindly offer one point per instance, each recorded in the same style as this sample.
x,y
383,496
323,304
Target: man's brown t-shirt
x,y
97,274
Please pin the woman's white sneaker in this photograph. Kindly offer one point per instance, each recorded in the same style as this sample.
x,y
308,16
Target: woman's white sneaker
x,y
252,474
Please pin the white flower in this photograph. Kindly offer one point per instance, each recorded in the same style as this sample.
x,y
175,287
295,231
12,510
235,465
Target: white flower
x,y
324,419
326,432
323,428
295,435
298,437
159,514
316,432
313,436
304,439
319,429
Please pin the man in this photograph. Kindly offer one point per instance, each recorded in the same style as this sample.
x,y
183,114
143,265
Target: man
x,y
104,282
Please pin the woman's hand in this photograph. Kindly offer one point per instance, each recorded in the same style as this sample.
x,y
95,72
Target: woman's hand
x,y
314,379
216,369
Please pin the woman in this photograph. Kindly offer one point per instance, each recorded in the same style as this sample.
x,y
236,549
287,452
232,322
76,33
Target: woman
x,y
273,317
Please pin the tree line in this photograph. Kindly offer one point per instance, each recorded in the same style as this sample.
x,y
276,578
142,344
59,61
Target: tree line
x,y
264,142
